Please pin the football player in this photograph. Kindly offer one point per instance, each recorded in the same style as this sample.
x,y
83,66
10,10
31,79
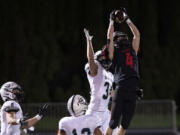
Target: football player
x,y
11,112
123,53
100,81
78,123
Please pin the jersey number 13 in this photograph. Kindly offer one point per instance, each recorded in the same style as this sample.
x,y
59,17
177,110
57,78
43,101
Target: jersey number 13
x,y
84,131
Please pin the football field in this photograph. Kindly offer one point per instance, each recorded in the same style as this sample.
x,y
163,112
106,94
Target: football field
x,y
156,117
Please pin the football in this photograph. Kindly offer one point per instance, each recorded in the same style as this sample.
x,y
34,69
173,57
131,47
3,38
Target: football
x,y
119,15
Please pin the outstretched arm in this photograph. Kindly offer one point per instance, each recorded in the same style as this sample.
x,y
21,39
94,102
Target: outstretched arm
x,y
10,116
11,119
110,35
90,54
32,121
135,31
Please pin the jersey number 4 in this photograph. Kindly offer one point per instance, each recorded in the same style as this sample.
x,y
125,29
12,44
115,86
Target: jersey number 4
x,y
129,59
83,131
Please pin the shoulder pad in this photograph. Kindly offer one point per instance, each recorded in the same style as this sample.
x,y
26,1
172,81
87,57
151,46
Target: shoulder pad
x,y
11,108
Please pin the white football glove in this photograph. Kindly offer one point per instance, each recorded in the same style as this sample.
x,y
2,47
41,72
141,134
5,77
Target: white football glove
x,y
88,37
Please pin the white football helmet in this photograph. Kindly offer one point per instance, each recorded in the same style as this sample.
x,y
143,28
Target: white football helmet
x,y
7,93
77,105
105,62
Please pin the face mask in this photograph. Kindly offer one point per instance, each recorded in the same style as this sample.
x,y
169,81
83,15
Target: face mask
x,y
19,96
123,42
106,64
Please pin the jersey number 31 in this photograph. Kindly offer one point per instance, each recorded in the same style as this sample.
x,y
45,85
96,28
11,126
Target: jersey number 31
x,y
108,88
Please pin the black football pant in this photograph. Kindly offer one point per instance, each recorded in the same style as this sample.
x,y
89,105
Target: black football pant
x,y
122,109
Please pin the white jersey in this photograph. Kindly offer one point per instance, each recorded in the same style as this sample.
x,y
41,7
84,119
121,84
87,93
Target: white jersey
x,y
82,125
9,129
104,117
100,85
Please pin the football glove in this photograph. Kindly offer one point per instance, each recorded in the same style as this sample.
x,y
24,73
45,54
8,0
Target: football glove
x,y
125,13
112,16
43,110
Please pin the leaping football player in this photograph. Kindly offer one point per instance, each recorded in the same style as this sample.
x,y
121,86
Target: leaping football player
x,y
100,81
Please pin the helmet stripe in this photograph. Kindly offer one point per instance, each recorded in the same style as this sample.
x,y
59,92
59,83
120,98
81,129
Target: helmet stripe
x,y
72,104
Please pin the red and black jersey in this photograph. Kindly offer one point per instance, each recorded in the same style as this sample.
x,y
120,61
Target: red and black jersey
x,y
125,63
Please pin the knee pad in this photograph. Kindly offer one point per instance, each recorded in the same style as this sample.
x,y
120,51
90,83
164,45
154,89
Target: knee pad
x,y
113,124
125,126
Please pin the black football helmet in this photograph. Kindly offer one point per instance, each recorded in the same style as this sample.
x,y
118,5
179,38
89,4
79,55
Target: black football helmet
x,y
120,38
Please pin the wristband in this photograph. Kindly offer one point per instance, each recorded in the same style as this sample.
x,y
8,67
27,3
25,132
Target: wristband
x,y
18,121
128,21
108,41
111,22
38,117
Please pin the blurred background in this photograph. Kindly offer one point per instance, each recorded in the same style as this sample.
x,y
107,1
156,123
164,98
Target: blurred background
x,y
43,47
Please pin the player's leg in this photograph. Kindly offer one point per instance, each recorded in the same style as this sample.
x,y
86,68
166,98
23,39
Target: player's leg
x,y
106,118
121,131
109,131
127,115
115,131
115,112
106,123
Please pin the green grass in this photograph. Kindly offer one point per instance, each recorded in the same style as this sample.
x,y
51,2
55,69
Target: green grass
x,y
139,121
178,120
150,121
48,124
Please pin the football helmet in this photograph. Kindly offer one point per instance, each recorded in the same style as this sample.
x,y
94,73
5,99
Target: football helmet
x,y
77,105
120,38
11,91
103,58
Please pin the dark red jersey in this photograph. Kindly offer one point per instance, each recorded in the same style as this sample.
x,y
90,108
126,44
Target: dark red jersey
x,y
125,63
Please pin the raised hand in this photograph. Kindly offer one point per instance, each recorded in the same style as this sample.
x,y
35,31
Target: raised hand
x,y
112,16
43,110
88,37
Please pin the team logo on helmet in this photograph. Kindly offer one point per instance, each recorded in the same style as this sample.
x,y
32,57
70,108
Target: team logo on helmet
x,y
77,105
11,91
